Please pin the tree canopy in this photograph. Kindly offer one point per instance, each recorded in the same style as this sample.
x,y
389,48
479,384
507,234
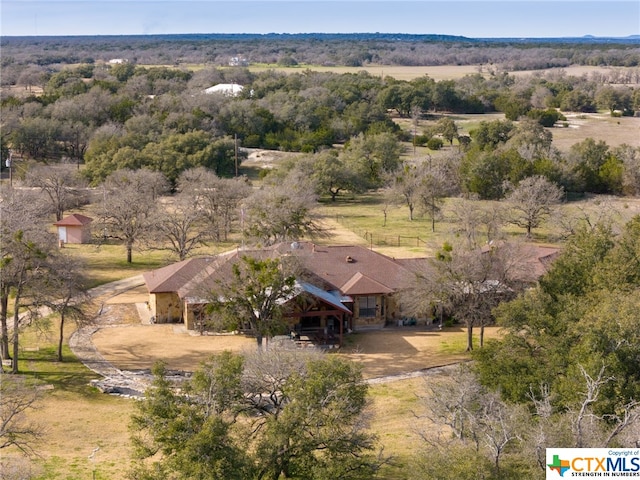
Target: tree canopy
x,y
579,319
273,414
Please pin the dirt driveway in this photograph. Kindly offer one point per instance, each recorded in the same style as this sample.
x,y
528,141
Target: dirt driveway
x,y
129,342
391,351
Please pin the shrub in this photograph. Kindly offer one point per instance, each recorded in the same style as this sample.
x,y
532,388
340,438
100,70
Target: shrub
x,y
435,143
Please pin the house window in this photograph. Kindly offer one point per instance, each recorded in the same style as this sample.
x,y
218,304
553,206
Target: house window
x,y
367,306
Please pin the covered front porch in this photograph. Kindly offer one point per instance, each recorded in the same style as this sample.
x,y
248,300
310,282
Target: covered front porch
x,y
318,317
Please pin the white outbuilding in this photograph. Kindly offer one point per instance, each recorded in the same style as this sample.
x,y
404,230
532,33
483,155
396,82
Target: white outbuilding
x,y
228,89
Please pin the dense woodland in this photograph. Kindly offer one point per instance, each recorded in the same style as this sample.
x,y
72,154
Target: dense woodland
x,y
321,49
131,115
158,161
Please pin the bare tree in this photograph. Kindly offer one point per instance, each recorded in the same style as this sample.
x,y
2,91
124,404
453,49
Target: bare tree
x,y
449,400
25,244
389,199
501,425
32,76
18,397
63,290
438,179
218,199
425,184
23,263
532,201
406,184
474,417
181,224
128,208
592,214
468,284
476,219
282,212
61,183
583,415
630,157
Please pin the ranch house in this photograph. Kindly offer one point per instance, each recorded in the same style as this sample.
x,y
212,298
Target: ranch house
x,y
340,288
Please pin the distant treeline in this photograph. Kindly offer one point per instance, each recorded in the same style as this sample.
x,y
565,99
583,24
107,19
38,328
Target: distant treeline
x,y
356,49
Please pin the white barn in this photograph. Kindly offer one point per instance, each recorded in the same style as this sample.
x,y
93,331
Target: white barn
x,y
228,89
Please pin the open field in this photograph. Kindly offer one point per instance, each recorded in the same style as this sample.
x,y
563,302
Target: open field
x,y
613,131
437,72
599,126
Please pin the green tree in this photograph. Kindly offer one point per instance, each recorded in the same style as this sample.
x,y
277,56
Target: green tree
x,y
333,175
269,415
371,156
36,138
614,99
448,129
576,327
123,71
488,135
514,106
254,294
189,436
486,173
588,159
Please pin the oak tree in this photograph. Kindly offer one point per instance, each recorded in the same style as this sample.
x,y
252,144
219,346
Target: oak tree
x,y
532,201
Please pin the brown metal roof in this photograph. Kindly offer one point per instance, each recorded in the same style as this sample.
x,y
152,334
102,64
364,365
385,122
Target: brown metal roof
x,y
173,277
74,220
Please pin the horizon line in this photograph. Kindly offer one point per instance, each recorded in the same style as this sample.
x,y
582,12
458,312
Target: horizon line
x,y
585,36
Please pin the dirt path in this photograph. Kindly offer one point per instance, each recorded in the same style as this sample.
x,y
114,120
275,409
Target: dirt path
x,y
108,316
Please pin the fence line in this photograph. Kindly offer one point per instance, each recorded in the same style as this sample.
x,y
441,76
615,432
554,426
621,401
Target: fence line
x,y
380,240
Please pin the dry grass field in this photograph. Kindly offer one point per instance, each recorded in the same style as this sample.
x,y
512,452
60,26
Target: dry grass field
x,y
599,126
437,72
613,131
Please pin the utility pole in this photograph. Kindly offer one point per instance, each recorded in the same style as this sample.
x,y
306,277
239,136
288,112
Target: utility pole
x,y
235,145
9,164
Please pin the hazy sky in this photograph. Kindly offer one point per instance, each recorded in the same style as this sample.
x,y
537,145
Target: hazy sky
x,y
471,18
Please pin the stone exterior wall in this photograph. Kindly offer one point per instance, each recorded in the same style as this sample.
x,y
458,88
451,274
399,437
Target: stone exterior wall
x,y
166,307
376,321
387,312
